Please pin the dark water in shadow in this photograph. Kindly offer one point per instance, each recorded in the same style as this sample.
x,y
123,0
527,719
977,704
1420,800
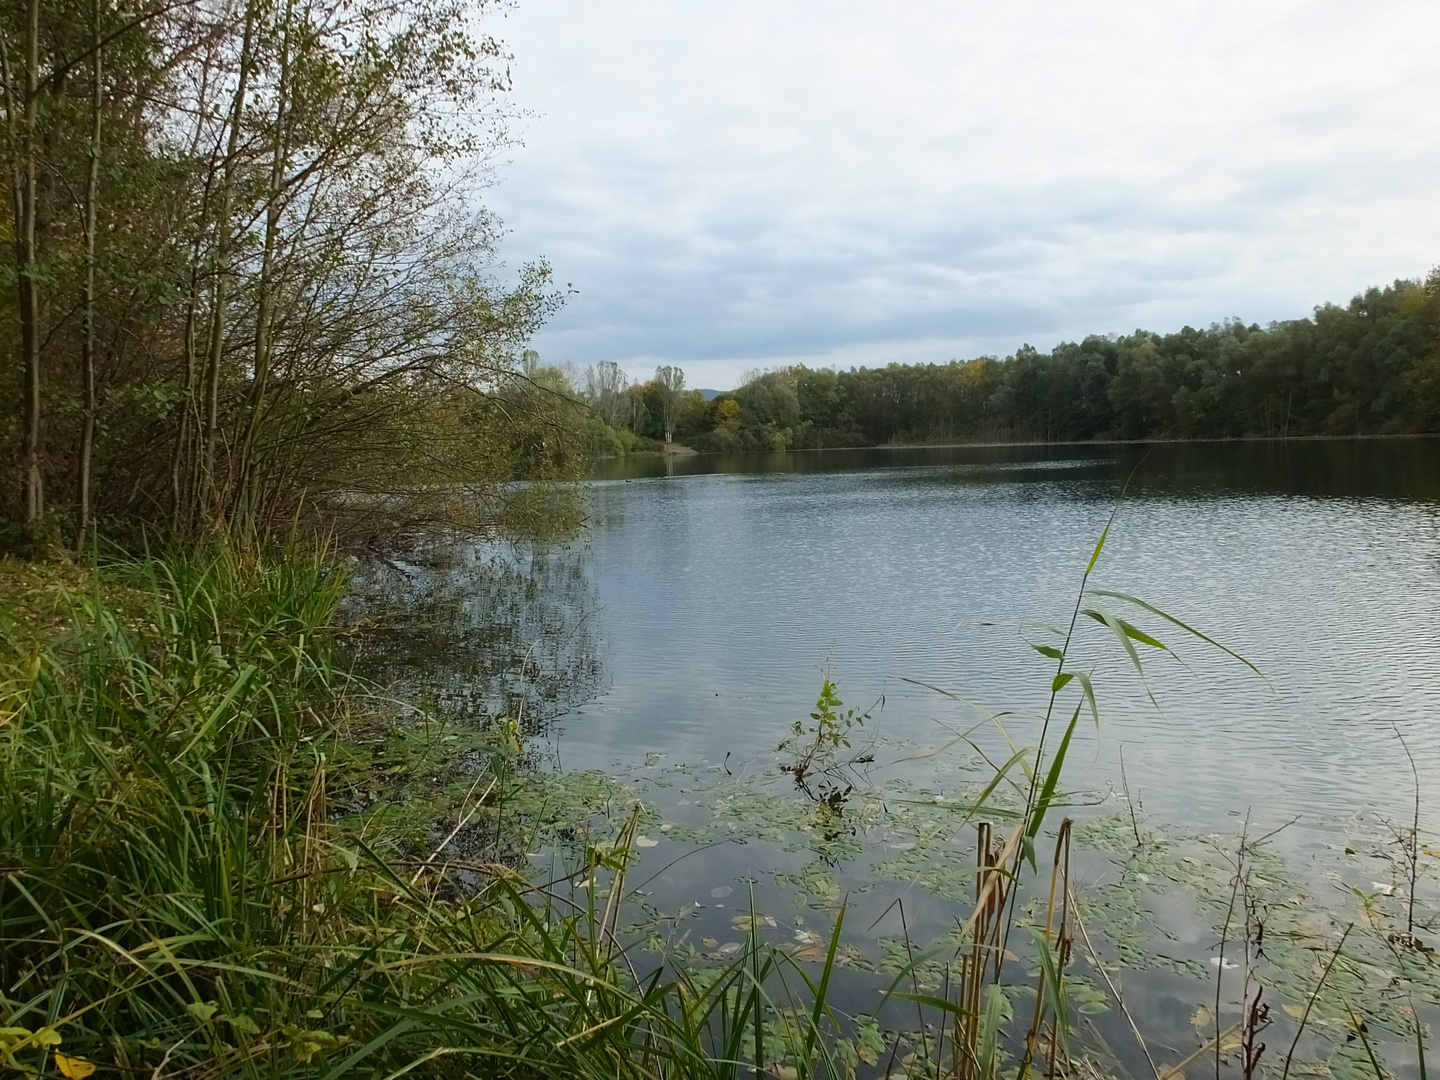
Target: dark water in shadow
x,y
1402,468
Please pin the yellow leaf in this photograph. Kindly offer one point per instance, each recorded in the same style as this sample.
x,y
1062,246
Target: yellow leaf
x,y
1297,1011
868,1055
1202,1017
73,1068
306,1044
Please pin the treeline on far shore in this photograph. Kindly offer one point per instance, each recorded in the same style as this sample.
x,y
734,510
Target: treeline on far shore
x,y
1370,367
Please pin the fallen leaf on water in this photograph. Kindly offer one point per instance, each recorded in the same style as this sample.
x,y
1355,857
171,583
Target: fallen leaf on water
x,y
1297,1011
721,891
1382,888
1203,1017
709,942
730,948
868,1055
645,841
1224,965
743,922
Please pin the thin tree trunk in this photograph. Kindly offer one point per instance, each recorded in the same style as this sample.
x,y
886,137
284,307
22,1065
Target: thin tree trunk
x,y
14,144
249,485
185,459
207,500
87,358
180,488
24,107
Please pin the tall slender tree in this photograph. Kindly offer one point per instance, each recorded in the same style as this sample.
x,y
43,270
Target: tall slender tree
x,y
87,300
671,381
21,95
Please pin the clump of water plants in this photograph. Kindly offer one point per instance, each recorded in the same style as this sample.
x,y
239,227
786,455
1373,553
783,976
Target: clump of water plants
x,y
816,753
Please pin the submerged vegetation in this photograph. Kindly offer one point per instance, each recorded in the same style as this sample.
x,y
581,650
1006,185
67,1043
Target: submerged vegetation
x,y
179,896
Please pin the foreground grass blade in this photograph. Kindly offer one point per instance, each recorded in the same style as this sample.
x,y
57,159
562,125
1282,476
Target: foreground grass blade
x,y
1052,780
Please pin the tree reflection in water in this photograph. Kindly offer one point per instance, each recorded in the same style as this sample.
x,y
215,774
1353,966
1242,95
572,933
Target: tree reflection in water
x,y
480,632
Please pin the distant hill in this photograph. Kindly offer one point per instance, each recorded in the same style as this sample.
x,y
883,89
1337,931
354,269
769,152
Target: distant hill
x,y
711,395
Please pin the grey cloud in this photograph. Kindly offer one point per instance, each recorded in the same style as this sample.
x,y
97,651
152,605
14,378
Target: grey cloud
x,y
1060,173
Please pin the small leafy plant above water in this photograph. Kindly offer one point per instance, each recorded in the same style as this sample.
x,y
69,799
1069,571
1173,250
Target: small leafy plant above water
x,y
818,749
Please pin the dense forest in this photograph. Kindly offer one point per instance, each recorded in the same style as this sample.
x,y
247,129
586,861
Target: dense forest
x,y
245,277
1371,367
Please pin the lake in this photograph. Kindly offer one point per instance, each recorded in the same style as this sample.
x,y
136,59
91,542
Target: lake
x,y
723,590
674,646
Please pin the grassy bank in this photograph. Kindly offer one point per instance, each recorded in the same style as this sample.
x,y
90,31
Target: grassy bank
x,y
187,887
175,897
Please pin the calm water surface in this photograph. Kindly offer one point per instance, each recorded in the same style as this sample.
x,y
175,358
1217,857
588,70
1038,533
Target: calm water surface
x,y
724,586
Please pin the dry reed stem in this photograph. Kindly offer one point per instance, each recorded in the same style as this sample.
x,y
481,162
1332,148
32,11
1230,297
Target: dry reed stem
x,y
464,820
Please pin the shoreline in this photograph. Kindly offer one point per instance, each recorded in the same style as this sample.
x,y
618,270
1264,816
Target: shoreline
x,y
1079,442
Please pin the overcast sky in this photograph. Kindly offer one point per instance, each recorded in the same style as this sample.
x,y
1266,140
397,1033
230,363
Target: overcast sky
x,y
751,183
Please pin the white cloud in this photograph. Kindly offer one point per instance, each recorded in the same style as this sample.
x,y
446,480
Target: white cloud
x,y
750,183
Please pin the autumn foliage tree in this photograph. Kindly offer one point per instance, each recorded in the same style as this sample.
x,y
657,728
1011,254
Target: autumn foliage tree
x,y
247,275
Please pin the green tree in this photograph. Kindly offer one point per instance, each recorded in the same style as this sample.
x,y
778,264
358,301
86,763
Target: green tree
x,y
246,235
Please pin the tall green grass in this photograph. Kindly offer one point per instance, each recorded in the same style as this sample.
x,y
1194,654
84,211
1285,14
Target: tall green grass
x,y
176,900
